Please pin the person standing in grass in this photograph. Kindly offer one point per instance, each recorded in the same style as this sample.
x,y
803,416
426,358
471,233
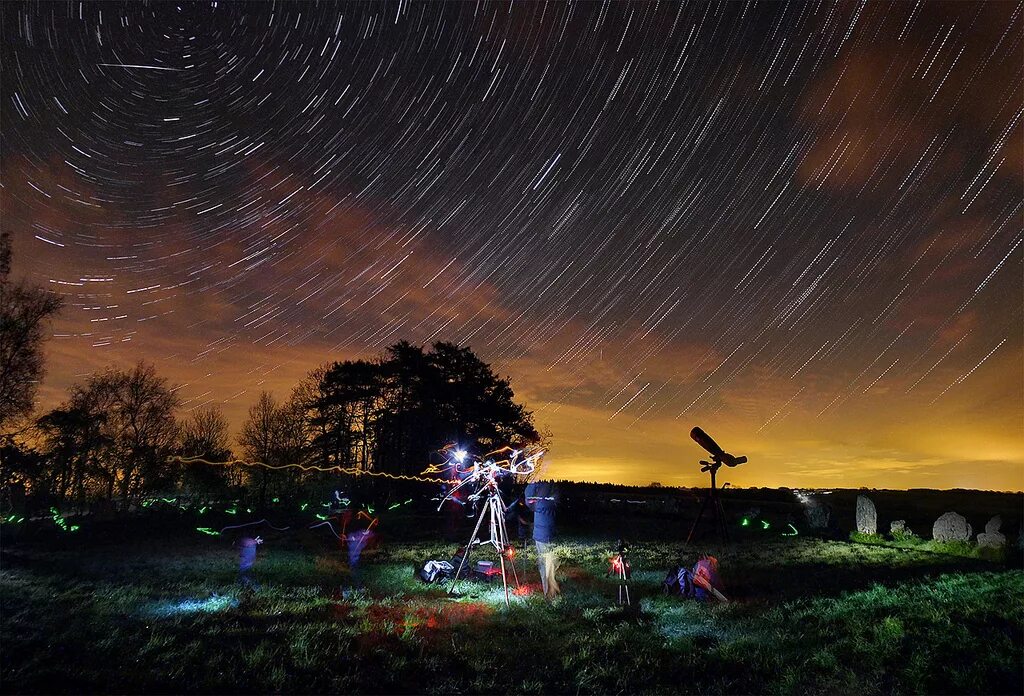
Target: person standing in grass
x,y
246,560
516,519
542,499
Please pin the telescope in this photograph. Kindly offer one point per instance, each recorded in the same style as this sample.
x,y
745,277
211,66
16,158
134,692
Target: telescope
x,y
719,457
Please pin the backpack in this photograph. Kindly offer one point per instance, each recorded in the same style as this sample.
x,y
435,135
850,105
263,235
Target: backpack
x,y
435,571
678,582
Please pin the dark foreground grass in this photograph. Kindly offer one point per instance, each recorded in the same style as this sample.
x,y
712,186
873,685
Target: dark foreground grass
x,y
807,616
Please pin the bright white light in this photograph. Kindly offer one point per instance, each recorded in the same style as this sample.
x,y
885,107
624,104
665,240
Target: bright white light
x,y
460,455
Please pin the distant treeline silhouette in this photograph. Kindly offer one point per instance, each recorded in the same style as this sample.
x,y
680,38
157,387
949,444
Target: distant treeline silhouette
x,y
117,434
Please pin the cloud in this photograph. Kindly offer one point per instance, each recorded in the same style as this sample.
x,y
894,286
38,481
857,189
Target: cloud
x,y
894,99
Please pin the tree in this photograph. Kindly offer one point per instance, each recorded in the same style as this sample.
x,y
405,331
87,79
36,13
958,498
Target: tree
x,y
476,407
24,311
113,435
406,423
205,435
259,439
75,446
393,413
345,413
144,428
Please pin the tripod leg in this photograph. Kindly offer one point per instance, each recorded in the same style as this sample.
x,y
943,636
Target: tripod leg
x,y
504,580
696,520
498,539
503,534
720,513
465,556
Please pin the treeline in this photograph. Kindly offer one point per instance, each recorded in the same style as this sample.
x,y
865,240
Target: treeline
x,y
119,434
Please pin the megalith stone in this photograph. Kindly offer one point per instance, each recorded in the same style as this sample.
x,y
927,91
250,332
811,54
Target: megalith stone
x,y
898,527
867,516
991,536
951,527
994,525
818,515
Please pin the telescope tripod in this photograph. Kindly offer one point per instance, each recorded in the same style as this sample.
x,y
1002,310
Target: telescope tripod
x,y
717,511
494,509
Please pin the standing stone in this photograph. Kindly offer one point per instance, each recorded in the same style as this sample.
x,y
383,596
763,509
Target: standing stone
x,y
867,517
991,536
818,515
951,527
898,527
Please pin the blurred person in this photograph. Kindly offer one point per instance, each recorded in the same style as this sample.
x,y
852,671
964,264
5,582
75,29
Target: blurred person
x,y
706,581
246,561
517,520
357,532
542,499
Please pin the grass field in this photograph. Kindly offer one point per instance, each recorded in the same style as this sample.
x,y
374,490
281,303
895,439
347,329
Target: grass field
x,y
807,616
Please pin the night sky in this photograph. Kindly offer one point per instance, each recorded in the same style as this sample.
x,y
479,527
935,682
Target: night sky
x,y
797,225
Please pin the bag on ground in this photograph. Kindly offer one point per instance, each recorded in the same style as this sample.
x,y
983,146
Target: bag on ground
x,y
435,571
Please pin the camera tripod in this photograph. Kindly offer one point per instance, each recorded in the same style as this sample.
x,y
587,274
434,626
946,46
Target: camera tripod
x,y
493,508
620,566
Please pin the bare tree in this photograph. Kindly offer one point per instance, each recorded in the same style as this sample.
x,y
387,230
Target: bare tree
x,y
205,435
24,311
260,438
124,424
144,410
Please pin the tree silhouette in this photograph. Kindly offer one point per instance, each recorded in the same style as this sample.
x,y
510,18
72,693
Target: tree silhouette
x,y
205,435
112,436
259,439
393,413
24,311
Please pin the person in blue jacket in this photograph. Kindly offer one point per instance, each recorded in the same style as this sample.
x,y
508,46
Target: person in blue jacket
x,y
246,560
542,499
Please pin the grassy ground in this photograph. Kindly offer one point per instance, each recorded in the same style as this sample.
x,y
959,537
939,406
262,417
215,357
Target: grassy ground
x,y
807,616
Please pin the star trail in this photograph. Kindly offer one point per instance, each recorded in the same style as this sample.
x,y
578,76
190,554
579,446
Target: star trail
x,y
796,224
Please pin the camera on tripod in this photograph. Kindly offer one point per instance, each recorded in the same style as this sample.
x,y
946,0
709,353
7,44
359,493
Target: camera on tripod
x,y
620,562
482,477
623,571
621,549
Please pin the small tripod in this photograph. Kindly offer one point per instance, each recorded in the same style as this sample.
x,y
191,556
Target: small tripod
x,y
494,509
620,566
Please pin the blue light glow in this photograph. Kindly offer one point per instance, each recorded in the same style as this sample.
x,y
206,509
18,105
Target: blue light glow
x,y
210,605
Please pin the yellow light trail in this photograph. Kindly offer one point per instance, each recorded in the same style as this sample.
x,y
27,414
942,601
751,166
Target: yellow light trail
x,y
313,467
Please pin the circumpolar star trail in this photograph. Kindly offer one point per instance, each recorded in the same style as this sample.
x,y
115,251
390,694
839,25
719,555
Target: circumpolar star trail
x,y
140,67
795,224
